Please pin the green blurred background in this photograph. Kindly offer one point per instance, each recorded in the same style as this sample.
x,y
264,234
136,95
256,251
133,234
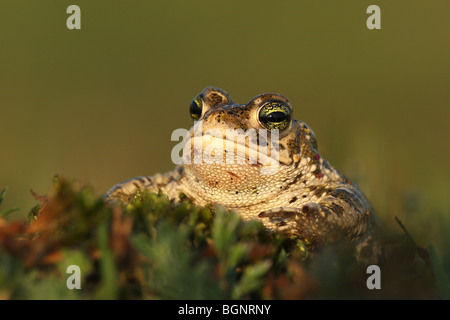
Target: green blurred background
x,y
98,105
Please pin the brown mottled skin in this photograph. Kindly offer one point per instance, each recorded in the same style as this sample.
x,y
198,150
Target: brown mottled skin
x,y
306,197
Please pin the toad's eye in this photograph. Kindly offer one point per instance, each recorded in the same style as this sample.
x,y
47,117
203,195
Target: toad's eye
x,y
196,108
275,115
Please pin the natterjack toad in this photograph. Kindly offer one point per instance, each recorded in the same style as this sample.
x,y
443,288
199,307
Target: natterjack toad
x,y
289,186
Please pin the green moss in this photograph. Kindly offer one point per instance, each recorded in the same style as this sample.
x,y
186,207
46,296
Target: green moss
x,y
5,212
153,248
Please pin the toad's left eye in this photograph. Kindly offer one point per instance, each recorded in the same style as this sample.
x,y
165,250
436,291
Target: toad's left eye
x,y
196,108
275,115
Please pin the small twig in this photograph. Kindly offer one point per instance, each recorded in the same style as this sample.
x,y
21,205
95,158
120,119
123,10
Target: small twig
x,y
423,253
404,229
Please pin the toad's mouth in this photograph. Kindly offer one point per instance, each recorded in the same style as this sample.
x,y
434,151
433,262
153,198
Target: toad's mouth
x,y
232,149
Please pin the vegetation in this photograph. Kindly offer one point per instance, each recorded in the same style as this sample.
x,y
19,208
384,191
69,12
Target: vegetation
x,y
154,249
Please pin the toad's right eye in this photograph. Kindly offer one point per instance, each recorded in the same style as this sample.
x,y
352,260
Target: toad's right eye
x,y
275,115
196,108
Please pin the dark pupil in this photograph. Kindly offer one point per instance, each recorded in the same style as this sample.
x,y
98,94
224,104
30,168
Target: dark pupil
x,y
195,110
276,116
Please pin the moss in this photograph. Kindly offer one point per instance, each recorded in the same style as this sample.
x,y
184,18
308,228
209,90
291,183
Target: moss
x,y
152,248
5,212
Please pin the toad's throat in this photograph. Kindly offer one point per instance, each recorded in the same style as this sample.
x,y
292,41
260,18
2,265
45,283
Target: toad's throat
x,y
240,150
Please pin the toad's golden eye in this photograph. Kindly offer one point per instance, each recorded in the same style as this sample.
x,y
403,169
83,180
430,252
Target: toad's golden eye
x,y
275,115
196,108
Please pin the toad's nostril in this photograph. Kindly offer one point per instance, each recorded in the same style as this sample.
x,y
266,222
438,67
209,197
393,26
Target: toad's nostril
x,y
305,209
